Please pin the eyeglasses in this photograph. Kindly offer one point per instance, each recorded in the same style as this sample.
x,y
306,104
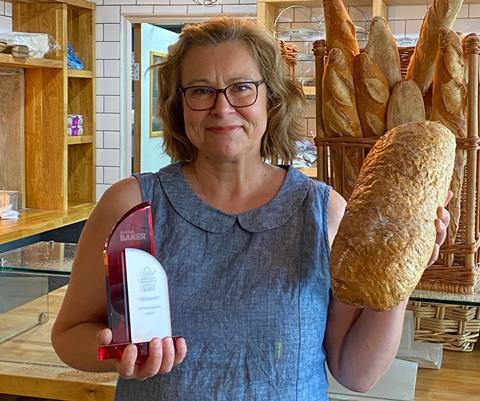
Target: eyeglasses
x,y
238,94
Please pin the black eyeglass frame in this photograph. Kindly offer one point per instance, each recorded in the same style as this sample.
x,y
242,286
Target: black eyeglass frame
x,y
224,91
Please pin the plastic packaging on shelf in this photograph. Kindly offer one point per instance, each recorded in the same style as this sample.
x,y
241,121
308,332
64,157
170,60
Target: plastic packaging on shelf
x,y
75,120
39,44
8,200
306,154
73,60
75,130
75,125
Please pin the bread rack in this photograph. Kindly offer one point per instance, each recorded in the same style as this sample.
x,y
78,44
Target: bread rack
x,y
457,269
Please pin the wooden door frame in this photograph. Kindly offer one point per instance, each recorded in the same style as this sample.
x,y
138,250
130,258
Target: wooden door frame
x,y
137,90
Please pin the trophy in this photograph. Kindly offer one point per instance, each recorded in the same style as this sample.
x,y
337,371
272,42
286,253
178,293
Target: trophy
x,y
137,290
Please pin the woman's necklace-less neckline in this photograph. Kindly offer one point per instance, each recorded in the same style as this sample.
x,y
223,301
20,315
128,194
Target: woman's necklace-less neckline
x,y
264,191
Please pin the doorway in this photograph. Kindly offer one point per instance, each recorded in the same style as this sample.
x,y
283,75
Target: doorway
x,y
150,45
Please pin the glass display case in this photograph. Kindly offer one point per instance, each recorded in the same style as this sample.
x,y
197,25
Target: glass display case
x,y
25,299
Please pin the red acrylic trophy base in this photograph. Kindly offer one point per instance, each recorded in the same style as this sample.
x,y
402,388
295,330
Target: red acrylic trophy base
x,y
115,351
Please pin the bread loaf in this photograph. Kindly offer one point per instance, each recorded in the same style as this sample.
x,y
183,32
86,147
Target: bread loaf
x,y
372,94
340,117
449,106
405,104
338,97
387,234
383,51
440,15
339,29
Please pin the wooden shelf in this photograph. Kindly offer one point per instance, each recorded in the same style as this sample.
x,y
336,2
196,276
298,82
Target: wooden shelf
x,y
54,178
80,74
77,140
7,60
36,221
76,3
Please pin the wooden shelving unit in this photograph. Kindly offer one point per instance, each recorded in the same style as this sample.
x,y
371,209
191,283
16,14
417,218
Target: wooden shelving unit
x,y
7,60
59,169
80,74
77,140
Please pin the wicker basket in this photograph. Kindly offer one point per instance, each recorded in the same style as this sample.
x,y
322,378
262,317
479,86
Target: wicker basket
x,y
457,268
456,327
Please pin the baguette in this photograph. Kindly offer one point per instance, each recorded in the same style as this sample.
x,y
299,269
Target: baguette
x,y
372,94
340,117
339,29
383,51
440,15
405,104
387,234
449,106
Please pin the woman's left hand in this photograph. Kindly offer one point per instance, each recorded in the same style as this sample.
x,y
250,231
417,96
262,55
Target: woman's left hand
x,y
441,224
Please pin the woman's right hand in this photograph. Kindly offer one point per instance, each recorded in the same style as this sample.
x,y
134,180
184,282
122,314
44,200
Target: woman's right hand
x,y
163,355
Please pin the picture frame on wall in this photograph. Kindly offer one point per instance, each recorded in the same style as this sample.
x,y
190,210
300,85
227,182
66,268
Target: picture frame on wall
x,y
156,124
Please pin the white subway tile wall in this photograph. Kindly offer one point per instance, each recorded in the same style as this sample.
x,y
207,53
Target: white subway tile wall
x,y
403,20
5,16
111,175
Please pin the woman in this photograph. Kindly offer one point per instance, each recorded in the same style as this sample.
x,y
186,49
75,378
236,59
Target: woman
x,y
245,244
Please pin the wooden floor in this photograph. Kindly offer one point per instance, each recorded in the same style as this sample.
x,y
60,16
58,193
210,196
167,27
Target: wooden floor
x,y
457,380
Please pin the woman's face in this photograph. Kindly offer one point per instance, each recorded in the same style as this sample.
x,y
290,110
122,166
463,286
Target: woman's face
x,y
224,133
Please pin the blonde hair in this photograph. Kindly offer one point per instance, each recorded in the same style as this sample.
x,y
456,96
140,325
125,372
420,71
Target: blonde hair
x,y
285,98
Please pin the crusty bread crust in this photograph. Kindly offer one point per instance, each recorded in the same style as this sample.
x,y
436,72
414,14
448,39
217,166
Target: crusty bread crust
x,y
383,51
372,94
340,116
405,105
340,31
440,15
449,106
386,236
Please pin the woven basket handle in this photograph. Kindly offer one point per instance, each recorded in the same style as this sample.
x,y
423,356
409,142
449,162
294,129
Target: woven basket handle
x,y
320,52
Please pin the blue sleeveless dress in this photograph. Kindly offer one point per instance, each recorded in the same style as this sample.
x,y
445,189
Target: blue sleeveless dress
x,y
249,293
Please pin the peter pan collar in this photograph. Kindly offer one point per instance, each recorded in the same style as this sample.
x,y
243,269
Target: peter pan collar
x,y
267,217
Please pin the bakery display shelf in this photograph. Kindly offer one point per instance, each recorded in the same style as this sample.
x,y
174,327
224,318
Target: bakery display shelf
x,y
7,60
80,74
77,140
